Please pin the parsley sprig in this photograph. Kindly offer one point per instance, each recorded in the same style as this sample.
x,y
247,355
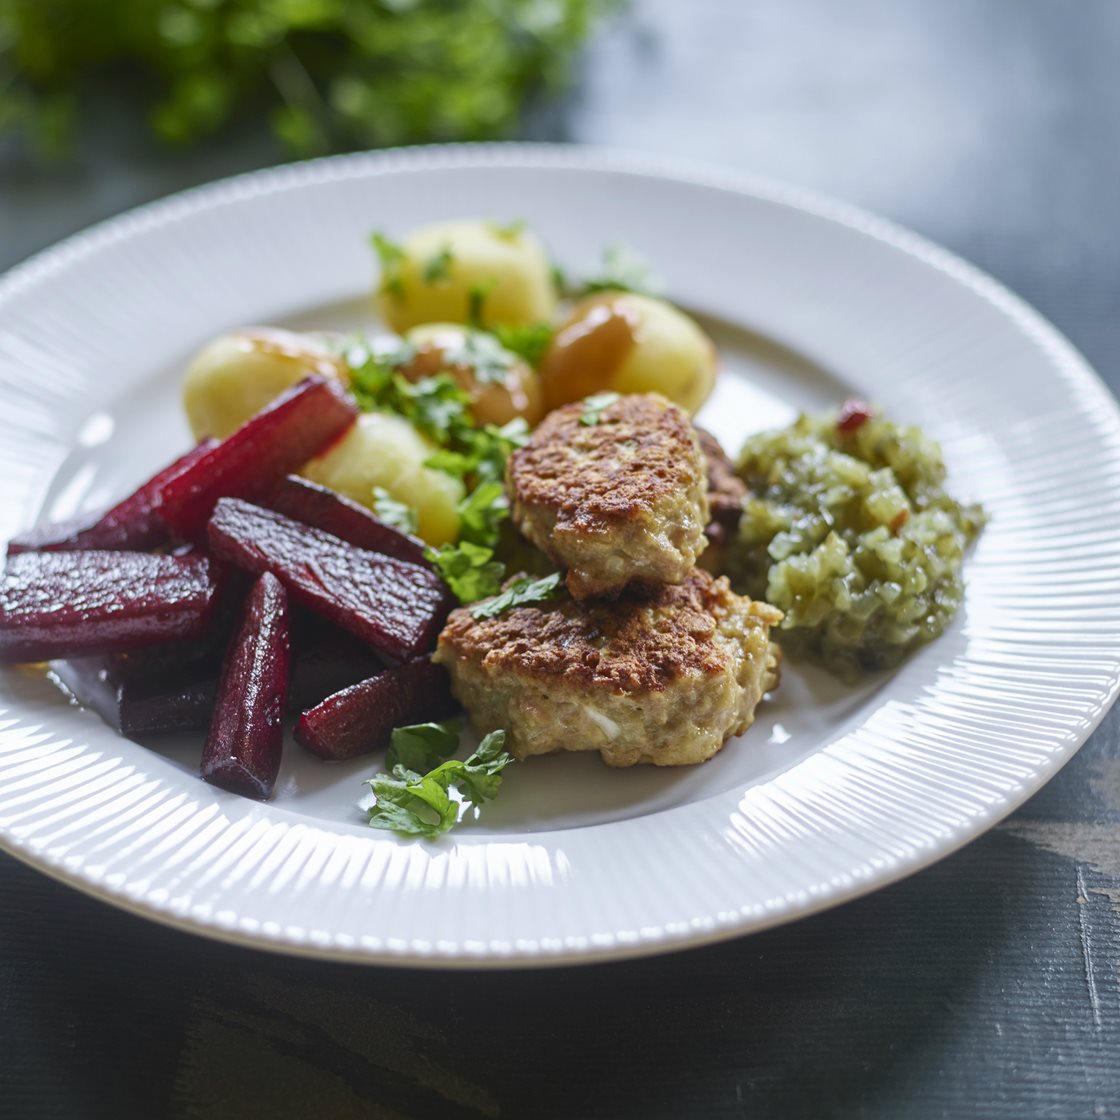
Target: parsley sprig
x,y
391,257
392,512
520,593
622,270
594,407
414,797
531,342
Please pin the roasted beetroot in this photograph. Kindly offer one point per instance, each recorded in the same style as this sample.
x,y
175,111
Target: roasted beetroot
x,y
63,604
242,752
326,661
360,718
396,607
248,464
131,525
324,509
181,700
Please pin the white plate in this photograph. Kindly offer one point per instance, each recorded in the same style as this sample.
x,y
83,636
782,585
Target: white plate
x,y
832,793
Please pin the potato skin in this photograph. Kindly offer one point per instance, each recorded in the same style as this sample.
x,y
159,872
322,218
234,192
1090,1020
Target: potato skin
x,y
511,263
629,343
387,451
235,375
518,393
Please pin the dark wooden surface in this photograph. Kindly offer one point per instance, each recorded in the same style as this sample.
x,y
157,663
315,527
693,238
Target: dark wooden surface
x,y
986,986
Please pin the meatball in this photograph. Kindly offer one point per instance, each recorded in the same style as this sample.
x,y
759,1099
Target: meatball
x,y
727,493
665,680
616,496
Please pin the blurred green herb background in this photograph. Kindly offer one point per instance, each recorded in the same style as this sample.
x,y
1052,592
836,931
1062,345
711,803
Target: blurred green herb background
x,y
329,74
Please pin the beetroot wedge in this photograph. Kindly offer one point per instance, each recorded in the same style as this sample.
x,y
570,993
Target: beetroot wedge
x,y
131,525
325,663
63,604
360,718
324,509
146,705
396,607
242,752
248,464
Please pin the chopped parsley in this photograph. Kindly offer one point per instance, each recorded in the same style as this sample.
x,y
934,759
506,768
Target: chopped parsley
x,y
391,257
477,295
521,592
438,266
623,270
392,512
437,407
422,746
470,570
482,512
485,354
510,231
434,405
529,342
594,407
415,796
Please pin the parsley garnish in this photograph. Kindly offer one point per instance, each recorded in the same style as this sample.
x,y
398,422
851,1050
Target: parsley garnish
x,y
490,446
530,342
435,405
391,257
438,267
623,270
477,456
482,512
520,593
469,567
422,746
392,512
594,407
470,570
417,802
477,294
511,231
560,281
484,354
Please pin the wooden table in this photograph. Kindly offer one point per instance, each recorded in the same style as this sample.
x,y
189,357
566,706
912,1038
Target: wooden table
x,y
986,986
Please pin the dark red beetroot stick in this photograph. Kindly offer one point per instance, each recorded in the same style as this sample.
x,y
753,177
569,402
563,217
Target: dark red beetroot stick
x,y
324,509
179,700
248,464
358,719
242,752
131,525
396,607
64,604
326,662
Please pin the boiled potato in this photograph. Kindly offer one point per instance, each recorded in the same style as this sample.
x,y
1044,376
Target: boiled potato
x,y
501,385
439,265
233,377
385,450
629,343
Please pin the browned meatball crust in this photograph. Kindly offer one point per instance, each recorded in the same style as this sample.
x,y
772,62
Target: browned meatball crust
x,y
618,502
664,680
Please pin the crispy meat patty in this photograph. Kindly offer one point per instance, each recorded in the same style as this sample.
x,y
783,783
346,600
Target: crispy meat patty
x,y
726,494
665,680
618,502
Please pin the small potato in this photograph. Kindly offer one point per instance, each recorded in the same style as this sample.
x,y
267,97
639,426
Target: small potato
x,y
629,343
440,265
387,451
234,376
501,385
